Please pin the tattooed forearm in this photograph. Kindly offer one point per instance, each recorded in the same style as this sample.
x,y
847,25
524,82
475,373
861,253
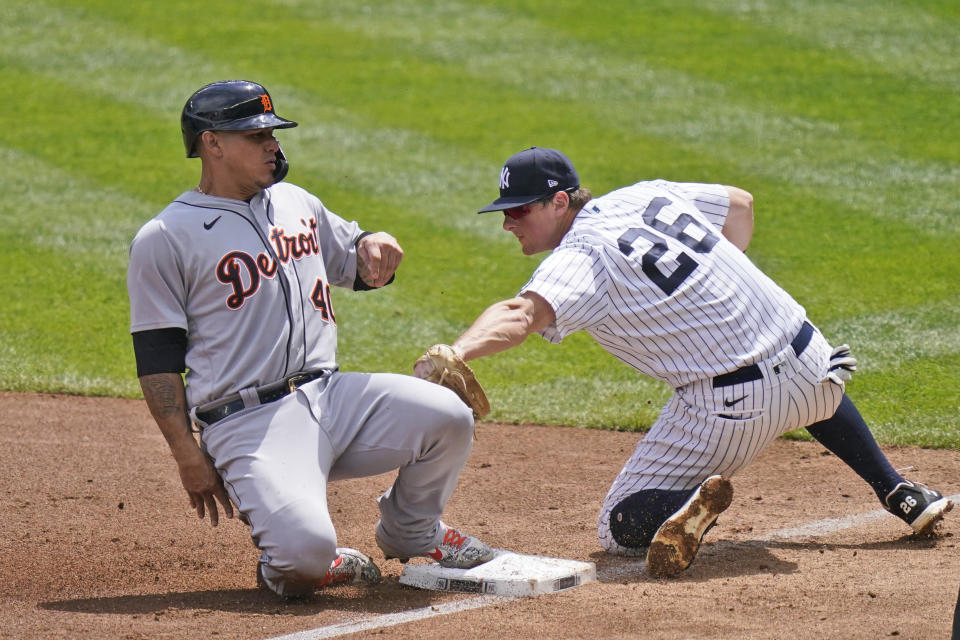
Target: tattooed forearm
x,y
164,394
167,400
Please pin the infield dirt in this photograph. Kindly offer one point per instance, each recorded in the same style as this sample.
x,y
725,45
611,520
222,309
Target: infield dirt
x,y
99,541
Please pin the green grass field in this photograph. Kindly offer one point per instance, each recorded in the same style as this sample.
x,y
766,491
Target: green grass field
x,y
841,118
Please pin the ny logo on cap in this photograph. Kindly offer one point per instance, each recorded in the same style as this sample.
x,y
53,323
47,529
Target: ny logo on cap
x,y
505,178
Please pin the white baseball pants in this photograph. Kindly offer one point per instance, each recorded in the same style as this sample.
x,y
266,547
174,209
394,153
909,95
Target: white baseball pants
x,y
703,430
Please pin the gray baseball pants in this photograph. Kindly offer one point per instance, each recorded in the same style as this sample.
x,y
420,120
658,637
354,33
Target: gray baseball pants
x,y
276,460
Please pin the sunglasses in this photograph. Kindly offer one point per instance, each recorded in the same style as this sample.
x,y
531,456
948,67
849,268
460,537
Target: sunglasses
x,y
518,212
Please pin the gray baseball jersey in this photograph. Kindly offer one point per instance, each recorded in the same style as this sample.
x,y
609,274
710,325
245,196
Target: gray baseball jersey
x,y
646,271
250,283
204,262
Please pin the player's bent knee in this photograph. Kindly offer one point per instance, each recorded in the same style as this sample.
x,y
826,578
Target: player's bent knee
x,y
300,543
610,545
634,520
304,557
629,528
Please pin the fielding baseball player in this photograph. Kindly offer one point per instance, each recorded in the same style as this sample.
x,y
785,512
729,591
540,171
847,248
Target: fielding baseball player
x,y
232,283
656,273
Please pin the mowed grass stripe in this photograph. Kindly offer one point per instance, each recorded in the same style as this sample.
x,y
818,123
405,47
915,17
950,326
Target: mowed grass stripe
x,y
905,38
615,90
63,328
67,46
886,340
758,63
912,404
65,239
65,212
99,54
907,360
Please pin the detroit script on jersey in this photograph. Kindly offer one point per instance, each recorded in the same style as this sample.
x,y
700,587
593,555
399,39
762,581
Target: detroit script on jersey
x,y
242,271
250,282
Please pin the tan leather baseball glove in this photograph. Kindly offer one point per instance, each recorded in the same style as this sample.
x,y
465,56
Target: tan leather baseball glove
x,y
442,365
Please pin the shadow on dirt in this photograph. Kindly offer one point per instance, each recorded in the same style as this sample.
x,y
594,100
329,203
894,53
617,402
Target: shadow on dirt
x,y
731,558
716,560
909,541
252,601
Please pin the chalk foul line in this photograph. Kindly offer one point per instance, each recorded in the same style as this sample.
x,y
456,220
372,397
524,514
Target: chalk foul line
x,y
392,619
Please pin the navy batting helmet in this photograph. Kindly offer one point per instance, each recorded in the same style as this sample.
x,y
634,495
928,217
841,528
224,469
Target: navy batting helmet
x,y
231,105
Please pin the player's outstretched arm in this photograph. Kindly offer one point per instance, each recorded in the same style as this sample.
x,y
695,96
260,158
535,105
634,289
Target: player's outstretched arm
x,y
504,325
167,401
738,227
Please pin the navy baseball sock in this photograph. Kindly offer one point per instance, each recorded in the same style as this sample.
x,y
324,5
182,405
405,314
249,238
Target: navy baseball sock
x,y
848,437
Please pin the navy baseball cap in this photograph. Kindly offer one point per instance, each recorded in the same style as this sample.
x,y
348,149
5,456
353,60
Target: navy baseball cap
x,y
532,174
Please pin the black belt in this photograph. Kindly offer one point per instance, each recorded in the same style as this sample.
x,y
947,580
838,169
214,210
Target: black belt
x,y
269,393
752,372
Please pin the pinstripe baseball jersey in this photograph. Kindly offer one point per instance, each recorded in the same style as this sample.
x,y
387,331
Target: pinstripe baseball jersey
x,y
646,272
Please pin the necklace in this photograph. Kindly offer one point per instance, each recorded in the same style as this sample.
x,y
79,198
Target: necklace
x,y
199,190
